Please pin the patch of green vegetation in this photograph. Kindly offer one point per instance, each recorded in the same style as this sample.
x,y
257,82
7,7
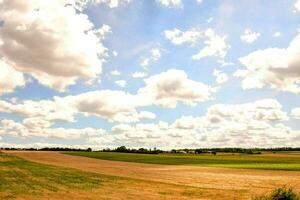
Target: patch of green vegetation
x,y
190,193
242,161
21,177
280,194
165,193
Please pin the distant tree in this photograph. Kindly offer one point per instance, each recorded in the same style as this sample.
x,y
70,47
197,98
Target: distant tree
x,y
121,149
89,149
173,151
198,151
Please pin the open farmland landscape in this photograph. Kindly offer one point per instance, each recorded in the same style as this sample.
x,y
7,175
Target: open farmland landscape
x,y
149,99
41,175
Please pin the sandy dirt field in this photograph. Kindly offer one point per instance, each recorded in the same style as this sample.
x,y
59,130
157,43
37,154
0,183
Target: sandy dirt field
x,y
233,183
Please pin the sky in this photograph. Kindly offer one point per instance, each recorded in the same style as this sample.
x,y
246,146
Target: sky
x,y
149,73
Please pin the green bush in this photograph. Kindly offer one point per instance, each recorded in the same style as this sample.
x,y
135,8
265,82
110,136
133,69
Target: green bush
x,y
280,194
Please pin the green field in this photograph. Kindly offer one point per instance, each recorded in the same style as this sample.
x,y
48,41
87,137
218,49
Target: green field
x,y
21,177
267,161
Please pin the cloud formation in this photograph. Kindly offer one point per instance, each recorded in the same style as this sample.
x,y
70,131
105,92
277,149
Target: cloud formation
x,y
72,47
165,89
168,88
214,44
10,78
249,36
170,3
178,37
258,123
276,67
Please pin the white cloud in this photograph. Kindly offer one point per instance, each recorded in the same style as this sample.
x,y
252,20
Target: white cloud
x,y
82,4
45,109
209,20
277,34
114,3
215,45
243,125
9,78
220,77
145,62
186,122
297,5
165,89
155,55
115,73
170,3
249,36
39,128
173,86
295,113
276,67
115,53
51,41
262,110
110,105
178,37
258,123
121,83
139,74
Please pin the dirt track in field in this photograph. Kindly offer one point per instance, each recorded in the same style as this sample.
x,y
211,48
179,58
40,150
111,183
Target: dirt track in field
x,y
239,181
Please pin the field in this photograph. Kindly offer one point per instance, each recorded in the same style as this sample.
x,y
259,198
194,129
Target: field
x,y
53,175
270,161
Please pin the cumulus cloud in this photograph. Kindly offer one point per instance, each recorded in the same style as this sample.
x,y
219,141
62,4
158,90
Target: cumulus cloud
x,y
50,41
121,83
168,88
45,109
185,122
262,110
220,77
35,127
155,55
165,89
115,73
215,45
249,36
297,5
178,37
245,125
277,34
110,105
139,74
295,113
276,67
170,3
82,4
258,123
112,3
10,78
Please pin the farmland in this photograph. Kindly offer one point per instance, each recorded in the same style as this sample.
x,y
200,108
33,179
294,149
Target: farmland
x,y
22,179
267,161
40,175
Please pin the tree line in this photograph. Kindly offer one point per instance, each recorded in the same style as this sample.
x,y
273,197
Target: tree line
x,y
124,149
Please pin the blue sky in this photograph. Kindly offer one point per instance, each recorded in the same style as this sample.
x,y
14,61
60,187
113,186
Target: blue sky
x,y
150,73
